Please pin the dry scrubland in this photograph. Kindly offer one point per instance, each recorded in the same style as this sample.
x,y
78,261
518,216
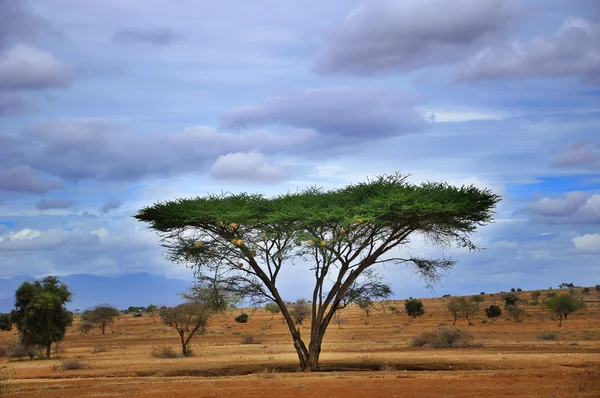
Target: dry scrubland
x,y
365,356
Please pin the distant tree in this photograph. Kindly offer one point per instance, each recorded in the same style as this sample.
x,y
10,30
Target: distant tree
x,y
370,287
482,293
597,287
515,311
151,309
512,289
188,319
586,290
563,305
469,306
414,307
101,316
536,295
454,308
85,326
565,285
477,299
300,310
5,322
393,309
366,305
272,308
40,313
493,311
519,289
510,299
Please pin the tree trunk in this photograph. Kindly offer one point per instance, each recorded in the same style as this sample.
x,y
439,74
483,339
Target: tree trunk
x,y
454,322
314,351
48,350
303,355
468,320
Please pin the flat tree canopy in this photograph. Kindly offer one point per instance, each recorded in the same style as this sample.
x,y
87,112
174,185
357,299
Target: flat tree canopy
x,y
242,241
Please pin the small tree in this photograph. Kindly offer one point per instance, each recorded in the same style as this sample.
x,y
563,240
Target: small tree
x,y
393,309
365,304
469,306
510,299
241,318
300,310
85,326
414,307
493,311
272,308
454,308
586,290
563,305
597,288
515,311
101,316
188,319
152,310
5,322
536,297
40,313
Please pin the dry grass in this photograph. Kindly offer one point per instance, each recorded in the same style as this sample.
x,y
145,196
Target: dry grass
x,y
72,364
164,352
446,337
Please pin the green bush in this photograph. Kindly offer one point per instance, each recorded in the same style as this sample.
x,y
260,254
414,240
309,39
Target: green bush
x,y
242,318
493,311
446,337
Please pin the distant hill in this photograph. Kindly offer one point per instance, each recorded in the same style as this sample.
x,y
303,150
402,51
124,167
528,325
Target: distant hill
x,y
122,291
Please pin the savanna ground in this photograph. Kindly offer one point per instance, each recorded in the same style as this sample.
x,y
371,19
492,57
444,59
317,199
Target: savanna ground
x,y
361,357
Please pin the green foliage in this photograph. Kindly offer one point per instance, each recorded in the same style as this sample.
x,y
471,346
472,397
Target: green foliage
x,y
5,322
586,290
563,305
414,307
101,316
273,308
40,314
244,240
515,311
493,311
465,306
242,318
393,309
510,299
446,337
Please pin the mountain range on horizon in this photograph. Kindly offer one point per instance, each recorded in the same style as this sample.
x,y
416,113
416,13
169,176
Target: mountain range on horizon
x,y
140,289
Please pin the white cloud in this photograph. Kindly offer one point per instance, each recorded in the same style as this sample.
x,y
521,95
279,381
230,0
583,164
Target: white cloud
x,y
589,243
246,166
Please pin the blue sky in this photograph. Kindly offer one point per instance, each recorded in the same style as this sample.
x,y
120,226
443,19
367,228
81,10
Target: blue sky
x,y
106,107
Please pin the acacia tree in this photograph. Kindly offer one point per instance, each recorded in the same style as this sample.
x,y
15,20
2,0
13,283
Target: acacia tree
x,y
5,322
339,234
454,308
40,314
562,305
187,319
101,316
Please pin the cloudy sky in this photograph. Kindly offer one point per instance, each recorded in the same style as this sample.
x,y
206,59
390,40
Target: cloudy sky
x,y
108,106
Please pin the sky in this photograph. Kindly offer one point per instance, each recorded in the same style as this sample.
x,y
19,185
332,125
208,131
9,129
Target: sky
x,y
109,106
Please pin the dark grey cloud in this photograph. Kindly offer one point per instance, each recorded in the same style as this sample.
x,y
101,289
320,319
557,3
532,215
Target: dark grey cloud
x,y
47,204
351,113
25,179
249,166
574,208
101,150
11,104
384,36
27,68
573,51
578,154
112,204
161,36
17,21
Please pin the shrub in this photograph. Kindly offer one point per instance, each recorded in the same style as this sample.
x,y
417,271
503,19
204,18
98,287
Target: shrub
x,y
519,289
597,288
482,293
85,326
493,311
547,336
447,337
586,290
99,348
512,289
74,364
164,352
5,322
414,307
300,310
250,339
242,318
393,309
